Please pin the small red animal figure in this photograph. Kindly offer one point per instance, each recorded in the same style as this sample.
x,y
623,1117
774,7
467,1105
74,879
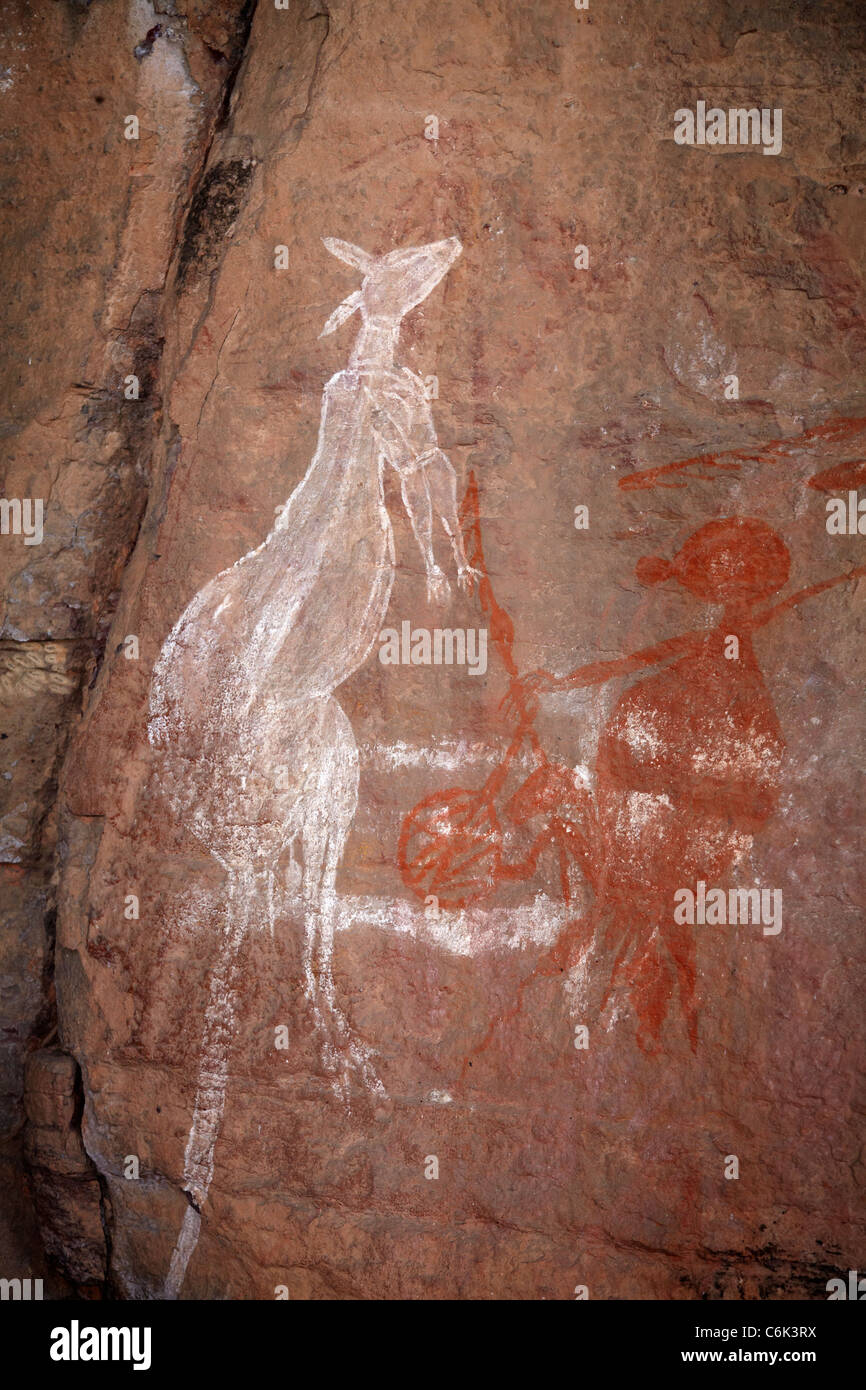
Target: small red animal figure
x,y
450,844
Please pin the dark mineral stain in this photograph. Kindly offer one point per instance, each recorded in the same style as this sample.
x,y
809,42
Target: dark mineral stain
x,y
144,48
214,208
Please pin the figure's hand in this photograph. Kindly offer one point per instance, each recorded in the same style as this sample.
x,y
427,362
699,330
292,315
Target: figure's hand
x,y
467,577
537,683
438,588
523,693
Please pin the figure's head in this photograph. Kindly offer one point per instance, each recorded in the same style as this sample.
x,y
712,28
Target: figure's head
x,y
393,284
738,560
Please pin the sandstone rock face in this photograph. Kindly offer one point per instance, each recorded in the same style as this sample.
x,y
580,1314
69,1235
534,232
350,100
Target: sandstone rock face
x,y
90,227
66,1186
382,969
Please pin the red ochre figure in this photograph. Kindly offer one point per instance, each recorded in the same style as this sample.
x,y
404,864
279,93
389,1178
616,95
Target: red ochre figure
x,y
687,772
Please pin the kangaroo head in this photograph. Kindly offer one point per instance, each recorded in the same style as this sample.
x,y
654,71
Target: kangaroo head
x,y
393,284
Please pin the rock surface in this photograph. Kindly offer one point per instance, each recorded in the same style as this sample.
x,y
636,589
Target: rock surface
x,y
67,1194
557,1166
90,227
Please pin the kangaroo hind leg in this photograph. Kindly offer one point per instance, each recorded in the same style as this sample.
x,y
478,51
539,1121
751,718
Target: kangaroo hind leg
x,y
327,814
342,1050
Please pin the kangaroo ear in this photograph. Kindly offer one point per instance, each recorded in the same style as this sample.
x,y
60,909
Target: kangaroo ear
x,y
341,313
352,255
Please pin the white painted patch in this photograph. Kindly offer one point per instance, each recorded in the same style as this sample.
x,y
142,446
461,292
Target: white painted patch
x,y
451,755
734,757
640,735
584,777
182,1253
471,931
643,808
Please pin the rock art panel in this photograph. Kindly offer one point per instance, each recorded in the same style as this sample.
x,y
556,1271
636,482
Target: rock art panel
x,y
456,854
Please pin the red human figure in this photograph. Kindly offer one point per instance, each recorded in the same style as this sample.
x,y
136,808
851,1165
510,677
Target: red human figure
x,y
687,771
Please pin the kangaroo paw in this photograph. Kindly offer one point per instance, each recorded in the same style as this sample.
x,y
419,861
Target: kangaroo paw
x,y
438,588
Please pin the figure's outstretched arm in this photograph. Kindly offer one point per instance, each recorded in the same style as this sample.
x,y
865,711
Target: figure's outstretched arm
x,y
859,572
598,672
526,689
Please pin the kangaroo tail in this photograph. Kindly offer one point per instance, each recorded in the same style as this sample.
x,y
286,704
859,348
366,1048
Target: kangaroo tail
x,y
212,1078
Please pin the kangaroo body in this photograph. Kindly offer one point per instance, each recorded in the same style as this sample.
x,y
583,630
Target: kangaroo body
x,y
245,681
254,752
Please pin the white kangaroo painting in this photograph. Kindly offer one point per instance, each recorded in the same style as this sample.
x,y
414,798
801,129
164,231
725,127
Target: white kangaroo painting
x,y
253,750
